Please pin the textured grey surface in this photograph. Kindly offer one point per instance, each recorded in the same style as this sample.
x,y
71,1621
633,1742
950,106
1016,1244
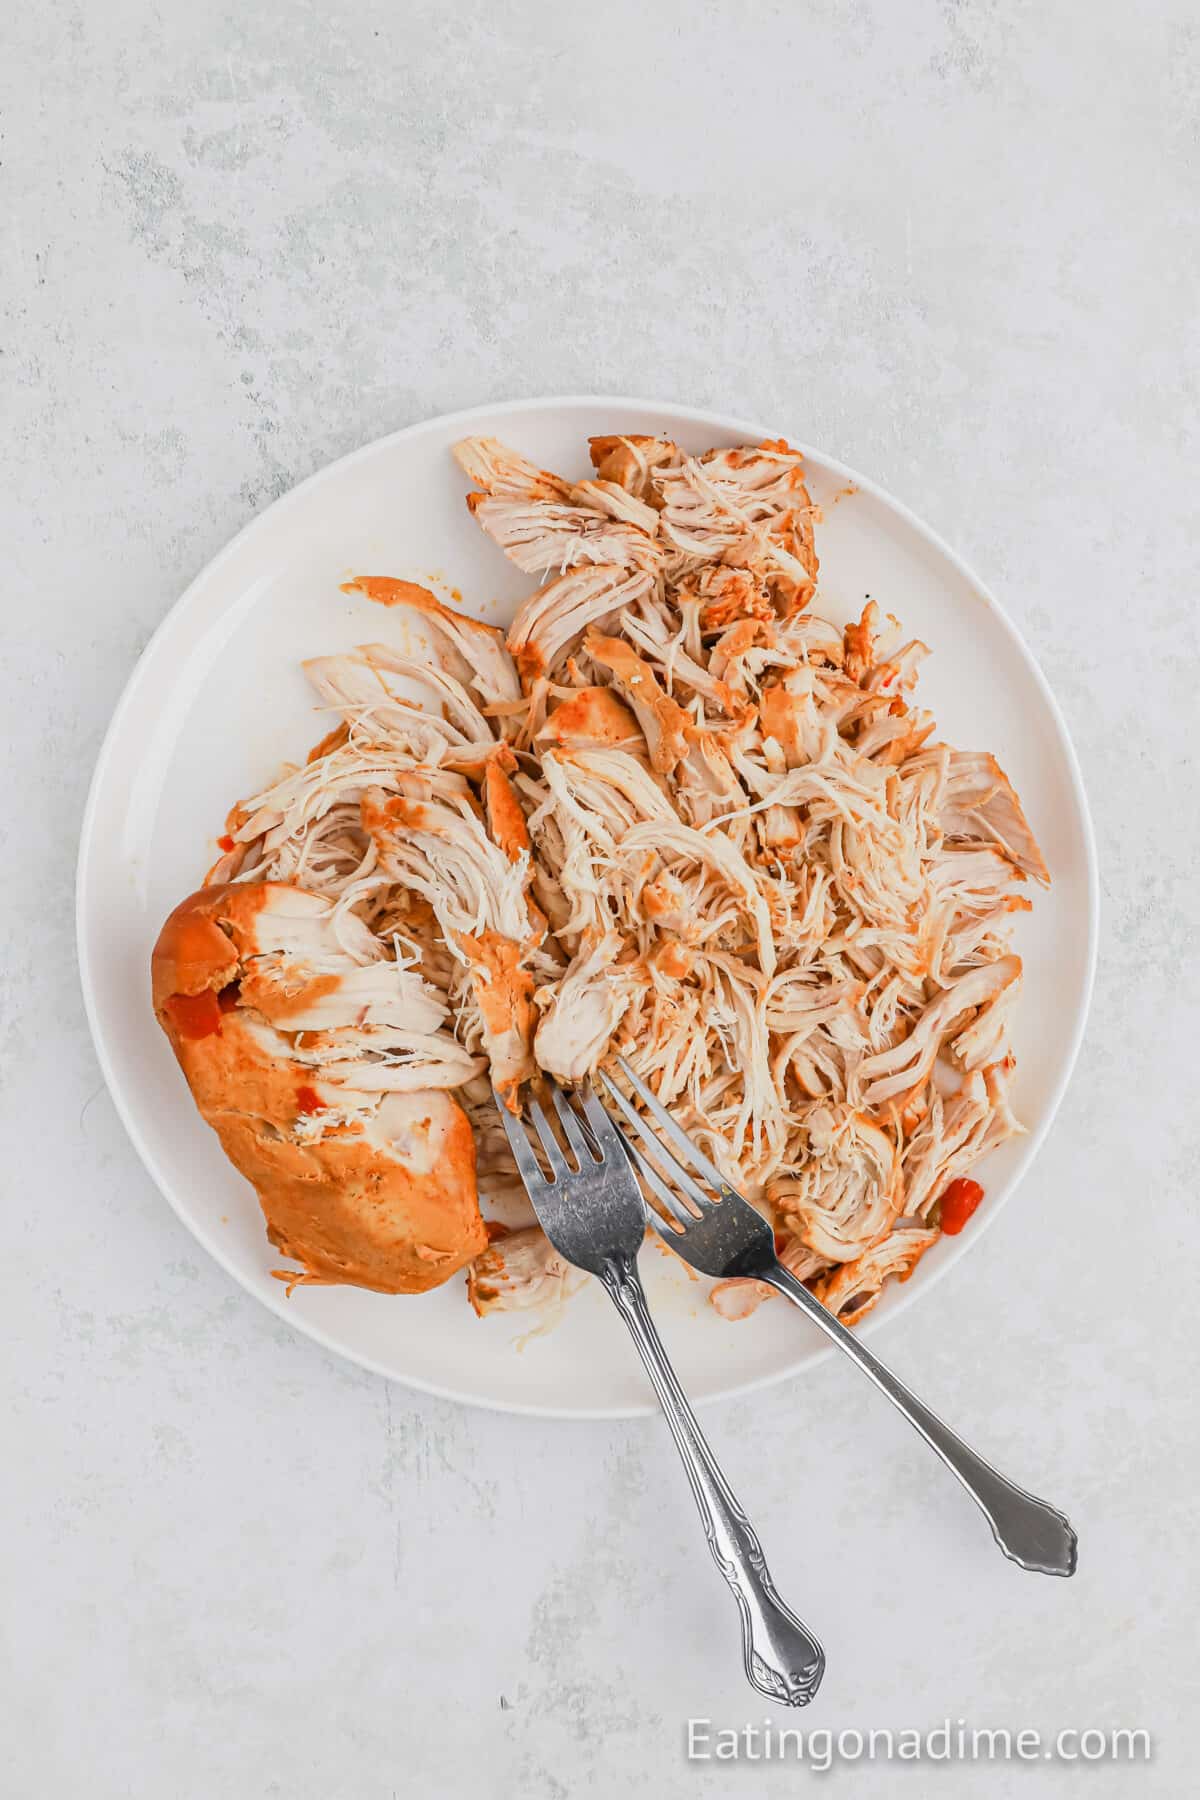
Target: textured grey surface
x,y
956,245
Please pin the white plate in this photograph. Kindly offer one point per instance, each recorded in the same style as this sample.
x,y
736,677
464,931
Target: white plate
x,y
217,702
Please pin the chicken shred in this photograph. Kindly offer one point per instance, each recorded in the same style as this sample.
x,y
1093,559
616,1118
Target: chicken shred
x,y
673,813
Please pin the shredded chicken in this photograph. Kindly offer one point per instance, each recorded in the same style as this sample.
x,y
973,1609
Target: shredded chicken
x,y
673,813
519,1270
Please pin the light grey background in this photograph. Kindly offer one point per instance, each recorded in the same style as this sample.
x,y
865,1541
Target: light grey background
x,y
955,244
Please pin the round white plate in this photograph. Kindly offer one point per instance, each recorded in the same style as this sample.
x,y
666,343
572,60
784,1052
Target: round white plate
x,y
217,702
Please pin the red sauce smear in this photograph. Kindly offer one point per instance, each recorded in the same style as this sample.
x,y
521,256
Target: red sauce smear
x,y
194,1015
958,1203
308,1100
225,843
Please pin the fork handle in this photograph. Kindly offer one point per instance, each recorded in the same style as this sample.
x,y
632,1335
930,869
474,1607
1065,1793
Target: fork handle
x,y
1030,1531
782,1658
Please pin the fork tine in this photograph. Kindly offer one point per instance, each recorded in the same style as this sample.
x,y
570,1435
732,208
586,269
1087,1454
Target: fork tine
x,y
694,1192
608,1139
559,1165
522,1149
677,1216
572,1129
675,1132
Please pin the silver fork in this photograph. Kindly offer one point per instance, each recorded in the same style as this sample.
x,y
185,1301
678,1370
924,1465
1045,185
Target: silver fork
x,y
727,1237
594,1215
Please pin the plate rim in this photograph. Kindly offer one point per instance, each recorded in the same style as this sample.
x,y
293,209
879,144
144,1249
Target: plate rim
x,y
724,422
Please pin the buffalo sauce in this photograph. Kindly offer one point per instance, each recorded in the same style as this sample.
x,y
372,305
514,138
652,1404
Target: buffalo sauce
x,y
194,1015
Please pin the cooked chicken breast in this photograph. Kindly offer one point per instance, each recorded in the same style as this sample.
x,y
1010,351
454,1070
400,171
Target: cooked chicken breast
x,y
358,1182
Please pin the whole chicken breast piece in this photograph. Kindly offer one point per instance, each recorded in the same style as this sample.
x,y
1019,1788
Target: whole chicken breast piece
x,y
384,1200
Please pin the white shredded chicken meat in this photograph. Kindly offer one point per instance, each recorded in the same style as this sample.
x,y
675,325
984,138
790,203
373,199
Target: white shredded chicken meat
x,y
672,813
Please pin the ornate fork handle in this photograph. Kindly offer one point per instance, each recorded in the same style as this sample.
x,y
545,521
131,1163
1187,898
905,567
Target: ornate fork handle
x,y
783,1660
1030,1531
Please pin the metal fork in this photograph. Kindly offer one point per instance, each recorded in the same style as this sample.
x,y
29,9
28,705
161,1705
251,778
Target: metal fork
x,y
727,1237
594,1215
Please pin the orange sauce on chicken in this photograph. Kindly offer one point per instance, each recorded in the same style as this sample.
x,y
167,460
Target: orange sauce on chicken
x,y
194,1015
385,590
